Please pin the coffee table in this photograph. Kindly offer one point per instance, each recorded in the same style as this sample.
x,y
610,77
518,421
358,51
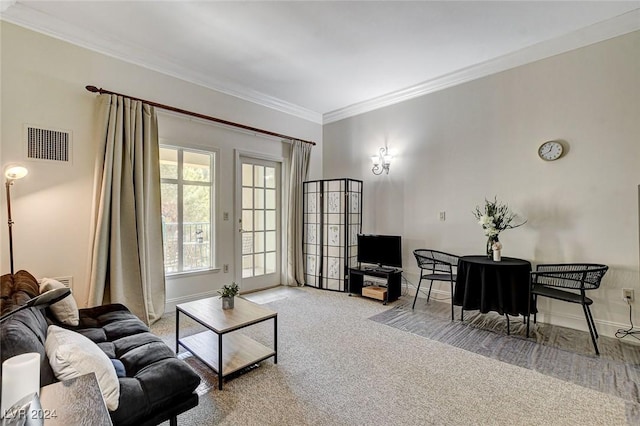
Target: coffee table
x,y
236,351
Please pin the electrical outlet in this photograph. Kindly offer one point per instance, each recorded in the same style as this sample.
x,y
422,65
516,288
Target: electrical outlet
x,y
225,215
225,268
443,216
627,294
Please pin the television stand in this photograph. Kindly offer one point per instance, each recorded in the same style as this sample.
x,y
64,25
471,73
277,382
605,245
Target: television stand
x,y
392,277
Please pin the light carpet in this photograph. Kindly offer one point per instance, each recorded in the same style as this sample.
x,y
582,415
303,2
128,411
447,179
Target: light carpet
x,y
337,367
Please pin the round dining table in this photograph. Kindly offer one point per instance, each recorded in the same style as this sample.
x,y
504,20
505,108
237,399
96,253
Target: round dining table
x,y
487,285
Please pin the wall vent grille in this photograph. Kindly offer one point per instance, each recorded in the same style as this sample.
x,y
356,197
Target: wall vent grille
x,y
45,144
67,281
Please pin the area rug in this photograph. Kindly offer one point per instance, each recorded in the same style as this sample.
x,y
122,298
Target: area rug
x,y
485,334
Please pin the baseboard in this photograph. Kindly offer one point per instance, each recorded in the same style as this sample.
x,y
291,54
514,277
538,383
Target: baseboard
x,y
170,304
576,322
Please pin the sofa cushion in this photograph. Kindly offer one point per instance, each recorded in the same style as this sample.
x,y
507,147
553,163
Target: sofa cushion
x,y
65,310
73,355
23,332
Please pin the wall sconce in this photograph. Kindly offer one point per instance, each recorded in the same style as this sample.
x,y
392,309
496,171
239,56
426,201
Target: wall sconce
x,y
381,162
12,173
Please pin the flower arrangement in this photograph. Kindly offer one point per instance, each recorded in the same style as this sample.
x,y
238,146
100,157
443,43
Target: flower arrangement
x,y
495,218
229,290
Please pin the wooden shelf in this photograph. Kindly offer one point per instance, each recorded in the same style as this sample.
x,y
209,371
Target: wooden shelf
x,y
238,350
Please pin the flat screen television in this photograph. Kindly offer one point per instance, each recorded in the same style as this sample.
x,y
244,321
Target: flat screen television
x,y
381,250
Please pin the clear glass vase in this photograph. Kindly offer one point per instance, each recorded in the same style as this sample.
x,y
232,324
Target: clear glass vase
x,y
492,239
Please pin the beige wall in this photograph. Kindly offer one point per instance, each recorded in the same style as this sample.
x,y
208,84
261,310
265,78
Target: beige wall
x,y
455,147
42,83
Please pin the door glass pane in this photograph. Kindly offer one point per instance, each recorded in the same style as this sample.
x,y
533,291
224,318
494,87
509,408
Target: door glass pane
x,y
270,241
258,267
247,243
247,198
269,177
270,199
258,198
169,163
258,223
196,167
258,242
247,220
247,175
270,263
247,266
270,220
258,180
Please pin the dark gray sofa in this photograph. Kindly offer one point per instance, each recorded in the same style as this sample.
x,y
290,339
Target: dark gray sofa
x,y
157,386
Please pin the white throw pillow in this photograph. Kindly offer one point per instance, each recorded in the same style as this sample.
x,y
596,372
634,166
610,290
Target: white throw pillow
x,y
66,310
72,355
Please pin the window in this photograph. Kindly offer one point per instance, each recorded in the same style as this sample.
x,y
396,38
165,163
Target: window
x,y
187,209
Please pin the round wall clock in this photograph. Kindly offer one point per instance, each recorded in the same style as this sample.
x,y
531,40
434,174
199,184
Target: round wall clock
x,y
550,151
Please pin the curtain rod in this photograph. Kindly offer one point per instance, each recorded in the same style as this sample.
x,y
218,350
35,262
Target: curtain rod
x,y
94,89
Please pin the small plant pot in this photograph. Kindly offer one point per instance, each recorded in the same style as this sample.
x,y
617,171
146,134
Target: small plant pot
x,y
227,303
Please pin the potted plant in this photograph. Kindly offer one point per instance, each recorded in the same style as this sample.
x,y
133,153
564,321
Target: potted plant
x,y
227,293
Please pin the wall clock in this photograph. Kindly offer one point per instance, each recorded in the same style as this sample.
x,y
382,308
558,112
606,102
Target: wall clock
x,y
551,150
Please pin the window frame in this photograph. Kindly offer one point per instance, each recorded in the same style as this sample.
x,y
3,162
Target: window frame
x,y
180,182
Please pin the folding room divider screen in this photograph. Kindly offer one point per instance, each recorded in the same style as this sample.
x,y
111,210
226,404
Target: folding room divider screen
x,y
332,222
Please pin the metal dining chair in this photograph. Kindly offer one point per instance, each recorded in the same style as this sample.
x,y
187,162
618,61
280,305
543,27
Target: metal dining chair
x,y
435,266
568,282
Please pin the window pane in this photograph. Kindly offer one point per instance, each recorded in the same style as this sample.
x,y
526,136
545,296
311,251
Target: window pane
x,y
187,210
270,241
247,175
247,198
169,194
196,167
270,220
258,223
269,177
258,243
270,263
169,163
270,199
196,227
247,220
258,267
258,178
247,266
196,203
259,198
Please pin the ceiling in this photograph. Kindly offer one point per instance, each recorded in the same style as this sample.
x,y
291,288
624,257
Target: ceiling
x,y
327,60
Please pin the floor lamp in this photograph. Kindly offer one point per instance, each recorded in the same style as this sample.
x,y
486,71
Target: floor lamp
x,y
12,173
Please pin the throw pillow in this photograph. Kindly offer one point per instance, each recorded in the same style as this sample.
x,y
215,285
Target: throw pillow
x,y
73,355
66,310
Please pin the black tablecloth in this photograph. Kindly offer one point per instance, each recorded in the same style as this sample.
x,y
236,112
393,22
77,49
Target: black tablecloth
x,y
485,285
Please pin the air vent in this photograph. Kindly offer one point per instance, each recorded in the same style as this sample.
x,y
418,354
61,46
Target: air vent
x,y
46,144
67,281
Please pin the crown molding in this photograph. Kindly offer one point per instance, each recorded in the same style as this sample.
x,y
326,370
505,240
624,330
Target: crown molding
x,y
592,34
37,21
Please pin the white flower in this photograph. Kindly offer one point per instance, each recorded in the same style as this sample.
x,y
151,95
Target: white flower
x,y
491,232
486,221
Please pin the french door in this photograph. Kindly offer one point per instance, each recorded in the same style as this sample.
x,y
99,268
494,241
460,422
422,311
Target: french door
x,y
259,223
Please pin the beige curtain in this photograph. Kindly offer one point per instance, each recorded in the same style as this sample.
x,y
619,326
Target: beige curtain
x,y
127,257
299,161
